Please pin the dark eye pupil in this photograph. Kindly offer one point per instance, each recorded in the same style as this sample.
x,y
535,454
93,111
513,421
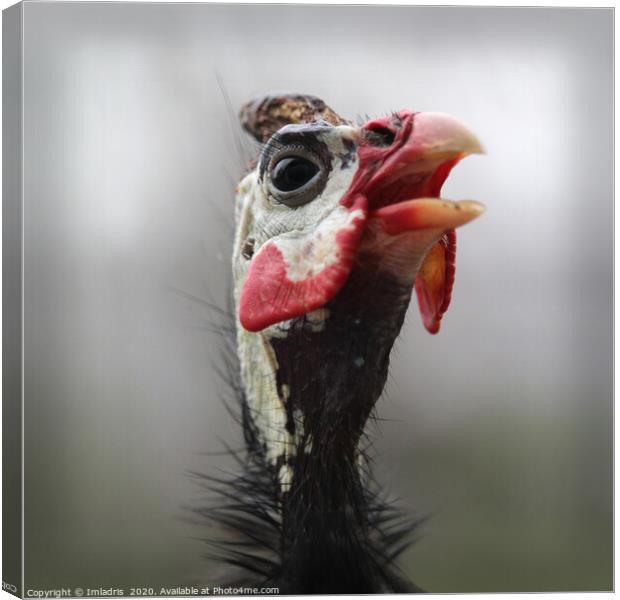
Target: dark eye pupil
x,y
292,173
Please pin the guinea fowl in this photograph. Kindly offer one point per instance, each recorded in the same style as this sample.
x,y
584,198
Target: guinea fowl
x,y
335,226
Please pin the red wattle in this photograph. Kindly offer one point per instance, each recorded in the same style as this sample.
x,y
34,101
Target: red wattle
x,y
435,280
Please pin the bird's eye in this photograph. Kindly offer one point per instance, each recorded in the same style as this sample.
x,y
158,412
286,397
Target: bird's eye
x,y
292,173
296,177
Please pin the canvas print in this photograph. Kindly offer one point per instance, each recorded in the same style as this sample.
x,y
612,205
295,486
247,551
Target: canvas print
x,y
306,299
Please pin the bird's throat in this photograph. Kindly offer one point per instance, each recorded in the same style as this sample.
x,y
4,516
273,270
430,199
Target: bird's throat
x,y
311,386
323,373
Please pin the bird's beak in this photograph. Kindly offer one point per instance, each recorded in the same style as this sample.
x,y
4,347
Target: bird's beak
x,y
404,192
426,213
408,216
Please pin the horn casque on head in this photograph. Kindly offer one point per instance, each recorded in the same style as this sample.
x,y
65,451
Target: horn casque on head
x,y
265,115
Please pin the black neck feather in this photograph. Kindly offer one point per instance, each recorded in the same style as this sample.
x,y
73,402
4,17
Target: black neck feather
x,y
330,531
334,373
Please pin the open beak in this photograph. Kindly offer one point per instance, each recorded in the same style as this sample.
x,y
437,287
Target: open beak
x,y
414,227
404,193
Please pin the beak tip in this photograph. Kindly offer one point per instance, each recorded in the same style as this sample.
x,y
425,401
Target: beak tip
x,y
472,208
440,132
472,145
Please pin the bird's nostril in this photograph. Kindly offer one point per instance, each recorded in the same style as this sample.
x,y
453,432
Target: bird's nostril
x,y
380,136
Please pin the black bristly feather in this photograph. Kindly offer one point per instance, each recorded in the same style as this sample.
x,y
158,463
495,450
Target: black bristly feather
x,y
336,532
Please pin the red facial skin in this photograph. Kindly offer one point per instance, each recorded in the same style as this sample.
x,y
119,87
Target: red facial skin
x,y
386,175
269,296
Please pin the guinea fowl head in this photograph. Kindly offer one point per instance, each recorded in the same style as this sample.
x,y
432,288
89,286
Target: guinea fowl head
x,y
336,225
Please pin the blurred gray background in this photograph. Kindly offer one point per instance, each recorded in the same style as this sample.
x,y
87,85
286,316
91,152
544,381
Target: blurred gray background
x,y
499,428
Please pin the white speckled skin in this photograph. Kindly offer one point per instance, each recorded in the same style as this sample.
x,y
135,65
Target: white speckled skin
x,y
260,217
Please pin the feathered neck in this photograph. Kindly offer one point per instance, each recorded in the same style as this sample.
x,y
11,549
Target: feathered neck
x,y
328,369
